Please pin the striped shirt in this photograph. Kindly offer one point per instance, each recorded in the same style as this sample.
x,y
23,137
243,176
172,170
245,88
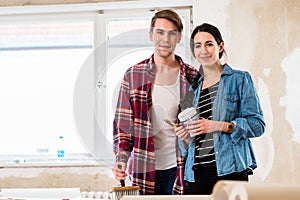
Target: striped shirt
x,y
133,138
204,144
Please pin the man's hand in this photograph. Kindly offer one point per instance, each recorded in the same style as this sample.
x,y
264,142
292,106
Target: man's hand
x,y
119,171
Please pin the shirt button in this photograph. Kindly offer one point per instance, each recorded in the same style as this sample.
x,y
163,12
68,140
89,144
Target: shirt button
x,y
217,152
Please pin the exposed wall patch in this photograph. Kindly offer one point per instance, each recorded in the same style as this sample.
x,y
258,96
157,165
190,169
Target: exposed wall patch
x,y
290,65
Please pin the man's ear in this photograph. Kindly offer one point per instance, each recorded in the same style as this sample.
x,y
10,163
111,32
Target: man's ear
x,y
151,35
179,37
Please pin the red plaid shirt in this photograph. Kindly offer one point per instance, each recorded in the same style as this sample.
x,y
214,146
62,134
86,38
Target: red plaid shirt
x,y
133,132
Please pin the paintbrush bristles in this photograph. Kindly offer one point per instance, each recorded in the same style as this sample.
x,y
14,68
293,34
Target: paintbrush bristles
x,y
118,192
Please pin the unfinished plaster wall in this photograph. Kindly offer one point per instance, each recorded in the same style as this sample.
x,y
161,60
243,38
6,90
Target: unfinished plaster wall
x,y
87,178
261,36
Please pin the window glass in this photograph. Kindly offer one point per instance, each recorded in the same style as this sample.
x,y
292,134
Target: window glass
x,y
129,43
39,63
122,55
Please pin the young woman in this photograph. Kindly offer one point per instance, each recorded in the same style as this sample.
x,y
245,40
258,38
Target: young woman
x,y
216,146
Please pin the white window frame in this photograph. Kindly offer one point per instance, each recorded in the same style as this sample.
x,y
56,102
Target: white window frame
x,y
98,12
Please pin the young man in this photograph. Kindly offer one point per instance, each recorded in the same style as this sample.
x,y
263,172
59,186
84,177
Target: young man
x,y
150,92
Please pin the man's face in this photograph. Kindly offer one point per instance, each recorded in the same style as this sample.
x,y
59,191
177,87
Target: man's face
x,y
165,37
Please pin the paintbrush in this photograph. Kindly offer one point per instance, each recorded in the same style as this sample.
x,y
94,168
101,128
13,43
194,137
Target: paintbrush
x,y
118,192
169,122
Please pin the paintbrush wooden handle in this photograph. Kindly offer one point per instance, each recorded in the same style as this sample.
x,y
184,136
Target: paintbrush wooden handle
x,y
169,122
125,188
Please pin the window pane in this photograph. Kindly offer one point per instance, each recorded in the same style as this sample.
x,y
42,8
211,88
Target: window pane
x,y
39,64
128,44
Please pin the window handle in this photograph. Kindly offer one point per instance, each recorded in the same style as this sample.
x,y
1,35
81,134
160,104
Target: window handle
x,y
100,84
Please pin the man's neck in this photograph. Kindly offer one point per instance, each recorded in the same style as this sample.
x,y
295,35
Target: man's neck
x,y
169,61
167,70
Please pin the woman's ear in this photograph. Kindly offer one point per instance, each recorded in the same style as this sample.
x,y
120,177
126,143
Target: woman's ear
x,y
221,47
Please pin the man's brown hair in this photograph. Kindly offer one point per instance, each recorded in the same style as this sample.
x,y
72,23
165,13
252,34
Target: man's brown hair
x,y
170,15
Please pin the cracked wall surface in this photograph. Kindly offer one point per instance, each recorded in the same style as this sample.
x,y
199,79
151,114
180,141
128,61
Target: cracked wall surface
x,y
97,178
263,38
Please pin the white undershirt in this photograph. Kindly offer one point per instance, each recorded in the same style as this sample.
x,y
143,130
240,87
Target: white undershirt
x,y
165,106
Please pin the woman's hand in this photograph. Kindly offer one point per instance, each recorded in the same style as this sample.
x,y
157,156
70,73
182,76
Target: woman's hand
x,y
202,126
182,133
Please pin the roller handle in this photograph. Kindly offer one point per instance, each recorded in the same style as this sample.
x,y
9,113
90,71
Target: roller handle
x,y
121,181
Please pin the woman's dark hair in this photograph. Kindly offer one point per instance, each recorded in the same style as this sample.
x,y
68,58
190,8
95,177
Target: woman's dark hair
x,y
209,29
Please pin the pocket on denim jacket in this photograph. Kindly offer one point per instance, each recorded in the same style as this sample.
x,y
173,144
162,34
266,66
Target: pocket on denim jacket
x,y
232,103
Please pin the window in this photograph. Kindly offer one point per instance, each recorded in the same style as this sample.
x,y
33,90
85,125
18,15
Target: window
x,y
60,75
39,64
127,44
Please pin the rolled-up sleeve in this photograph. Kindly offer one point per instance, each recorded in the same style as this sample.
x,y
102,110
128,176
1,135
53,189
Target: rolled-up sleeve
x,y
250,123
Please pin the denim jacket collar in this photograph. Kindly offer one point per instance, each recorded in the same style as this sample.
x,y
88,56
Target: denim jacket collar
x,y
227,70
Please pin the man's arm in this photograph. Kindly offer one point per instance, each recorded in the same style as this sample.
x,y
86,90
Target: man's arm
x,y
122,130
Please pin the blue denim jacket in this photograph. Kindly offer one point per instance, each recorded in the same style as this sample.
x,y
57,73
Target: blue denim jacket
x,y
236,101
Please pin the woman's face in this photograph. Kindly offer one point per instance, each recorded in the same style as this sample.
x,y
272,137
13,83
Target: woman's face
x,y
206,49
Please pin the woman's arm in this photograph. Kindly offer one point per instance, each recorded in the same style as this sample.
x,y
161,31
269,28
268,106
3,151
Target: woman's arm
x,y
250,123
